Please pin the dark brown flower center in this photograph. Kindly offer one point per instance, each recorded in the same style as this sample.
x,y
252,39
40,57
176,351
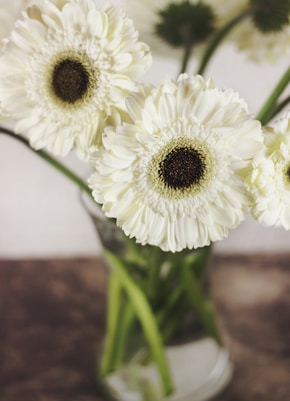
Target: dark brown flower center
x,y
182,167
288,173
70,80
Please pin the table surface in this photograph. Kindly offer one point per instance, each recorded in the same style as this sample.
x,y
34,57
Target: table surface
x,y
52,324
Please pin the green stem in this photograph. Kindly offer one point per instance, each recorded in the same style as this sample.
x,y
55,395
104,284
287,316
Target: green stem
x,y
166,311
279,107
198,261
202,306
125,323
155,261
51,160
266,112
186,57
173,324
113,314
218,39
147,320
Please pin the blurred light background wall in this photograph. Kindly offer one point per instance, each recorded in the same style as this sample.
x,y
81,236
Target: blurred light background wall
x,y
40,211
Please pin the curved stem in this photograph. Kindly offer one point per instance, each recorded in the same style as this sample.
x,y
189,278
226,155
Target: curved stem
x,y
203,307
51,160
127,320
186,57
266,112
147,320
279,107
112,333
218,39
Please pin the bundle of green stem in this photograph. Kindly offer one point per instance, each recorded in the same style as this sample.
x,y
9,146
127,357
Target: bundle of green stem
x,y
162,298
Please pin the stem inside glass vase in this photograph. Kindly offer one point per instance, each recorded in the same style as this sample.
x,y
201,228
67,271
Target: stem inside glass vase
x,y
158,302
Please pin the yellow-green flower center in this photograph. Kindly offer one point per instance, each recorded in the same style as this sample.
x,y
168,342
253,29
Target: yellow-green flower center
x,y
181,168
71,78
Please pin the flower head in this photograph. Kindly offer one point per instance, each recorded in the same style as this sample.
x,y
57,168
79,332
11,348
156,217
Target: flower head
x,y
270,15
269,181
66,70
265,34
168,26
185,23
173,177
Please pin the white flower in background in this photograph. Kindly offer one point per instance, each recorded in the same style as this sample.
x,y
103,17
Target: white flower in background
x,y
9,12
146,16
269,181
226,11
264,36
66,70
262,47
174,177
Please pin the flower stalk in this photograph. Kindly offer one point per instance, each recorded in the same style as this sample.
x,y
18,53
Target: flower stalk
x,y
147,320
277,109
217,40
204,308
160,310
269,108
186,57
108,362
60,167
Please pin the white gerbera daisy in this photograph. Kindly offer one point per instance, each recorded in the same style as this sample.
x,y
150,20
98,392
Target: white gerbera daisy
x,y
265,34
66,69
174,176
269,181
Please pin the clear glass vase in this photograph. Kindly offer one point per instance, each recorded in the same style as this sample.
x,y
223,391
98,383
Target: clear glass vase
x,y
162,340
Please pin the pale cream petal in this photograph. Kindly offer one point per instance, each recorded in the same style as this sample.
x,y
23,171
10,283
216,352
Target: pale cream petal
x,y
105,43
147,211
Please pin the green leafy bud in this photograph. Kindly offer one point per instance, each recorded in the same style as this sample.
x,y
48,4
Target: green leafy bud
x,y
185,24
270,15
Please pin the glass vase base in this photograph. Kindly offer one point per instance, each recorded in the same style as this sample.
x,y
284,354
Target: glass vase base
x,y
200,370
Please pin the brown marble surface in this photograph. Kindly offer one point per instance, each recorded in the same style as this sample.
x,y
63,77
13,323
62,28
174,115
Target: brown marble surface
x,y
52,320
